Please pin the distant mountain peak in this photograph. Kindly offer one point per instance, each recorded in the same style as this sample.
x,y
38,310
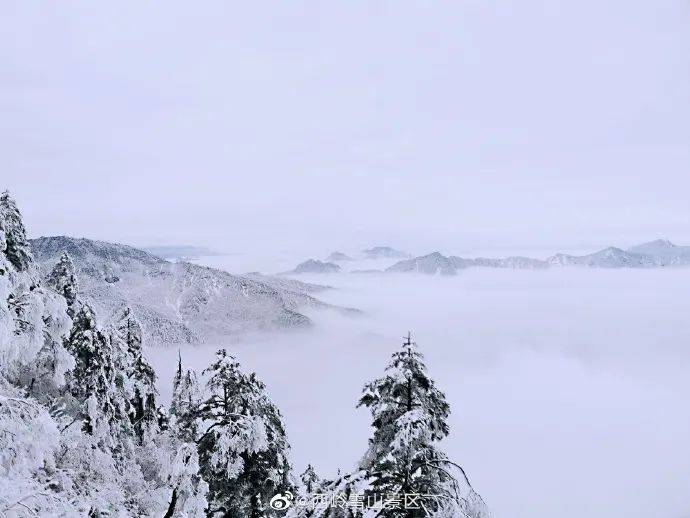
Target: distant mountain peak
x,y
663,248
610,251
663,242
430,264
384,252
657,243
316,266
336,256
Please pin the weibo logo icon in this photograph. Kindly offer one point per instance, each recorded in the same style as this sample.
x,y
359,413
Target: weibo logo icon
x,y
280,502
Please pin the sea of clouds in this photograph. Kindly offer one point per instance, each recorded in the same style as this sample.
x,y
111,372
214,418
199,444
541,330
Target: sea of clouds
x,y
568,387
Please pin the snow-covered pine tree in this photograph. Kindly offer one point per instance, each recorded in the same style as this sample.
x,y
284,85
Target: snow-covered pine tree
x,y
35,478
409,419
188,488
310,479
243,448
46,374
18,281
184,406
17,249
342,497
139,375
63,280
96,382
176,388
33,320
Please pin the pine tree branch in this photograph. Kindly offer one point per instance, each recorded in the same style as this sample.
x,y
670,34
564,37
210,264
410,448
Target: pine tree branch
x,y
457,466
70,424
224,422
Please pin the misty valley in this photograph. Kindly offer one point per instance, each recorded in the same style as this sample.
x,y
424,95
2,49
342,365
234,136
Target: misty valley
x,y
141,386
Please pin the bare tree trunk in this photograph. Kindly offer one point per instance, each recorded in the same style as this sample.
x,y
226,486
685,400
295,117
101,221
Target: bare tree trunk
x,y
173,502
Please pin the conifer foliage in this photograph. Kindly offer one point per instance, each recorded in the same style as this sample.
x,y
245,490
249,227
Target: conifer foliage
x,y
63,280
310,480
184,406
243,446
409,418
189,489
97,380
141,378
16,246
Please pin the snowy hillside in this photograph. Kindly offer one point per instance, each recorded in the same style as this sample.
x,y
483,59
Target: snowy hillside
x,y
81,432
178,302
287,283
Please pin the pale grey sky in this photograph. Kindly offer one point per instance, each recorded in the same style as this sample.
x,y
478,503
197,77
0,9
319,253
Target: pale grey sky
x,y
420,124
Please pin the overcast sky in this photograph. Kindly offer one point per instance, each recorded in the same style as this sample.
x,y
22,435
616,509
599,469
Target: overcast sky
x,y
339,124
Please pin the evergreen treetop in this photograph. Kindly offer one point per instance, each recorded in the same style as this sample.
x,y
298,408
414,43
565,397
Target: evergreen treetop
x,y
140,376
243,448
16,245
63,280
310,479
409,417
184,406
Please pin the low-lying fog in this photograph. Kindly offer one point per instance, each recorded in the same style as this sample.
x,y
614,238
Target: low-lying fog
x,y
569,388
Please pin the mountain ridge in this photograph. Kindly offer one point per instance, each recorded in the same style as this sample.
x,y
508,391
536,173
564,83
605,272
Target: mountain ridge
x,y
179,302
653,254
